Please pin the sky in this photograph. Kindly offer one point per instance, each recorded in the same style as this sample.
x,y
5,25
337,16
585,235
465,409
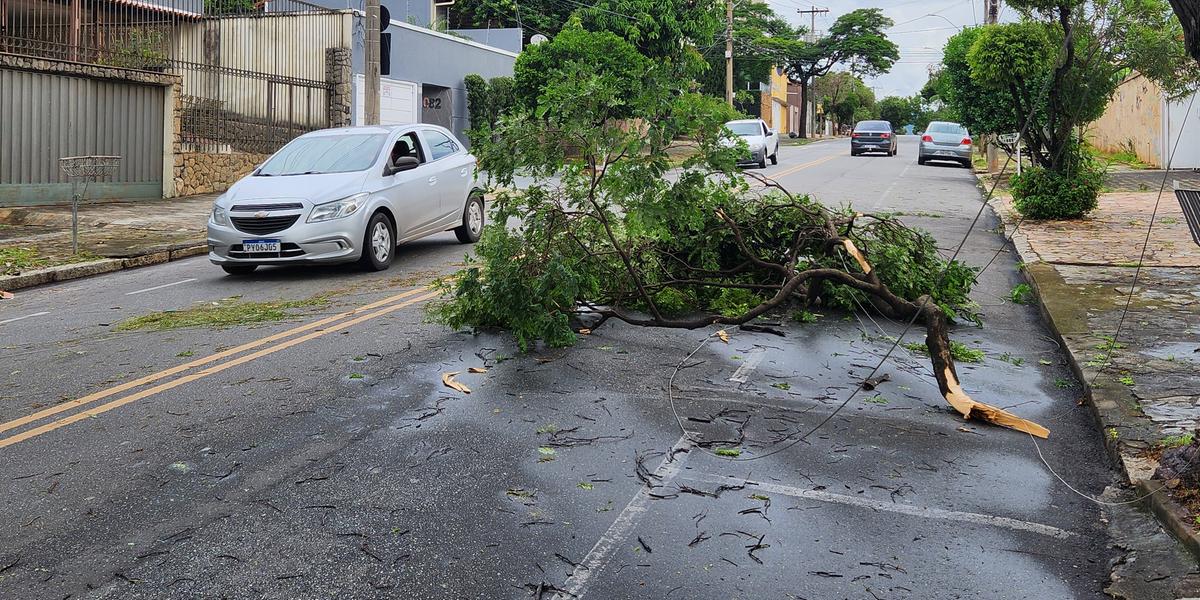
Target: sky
x,y
919,35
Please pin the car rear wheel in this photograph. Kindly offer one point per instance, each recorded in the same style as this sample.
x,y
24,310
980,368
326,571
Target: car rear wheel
x,y
472,225
966,163
920,160
379,245
775,156
239,269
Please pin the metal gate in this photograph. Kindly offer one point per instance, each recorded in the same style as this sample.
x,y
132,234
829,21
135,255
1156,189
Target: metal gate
x,y
45,116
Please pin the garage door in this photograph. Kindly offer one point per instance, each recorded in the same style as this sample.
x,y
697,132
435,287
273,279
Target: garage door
x,y
45,116
397,103
1183,127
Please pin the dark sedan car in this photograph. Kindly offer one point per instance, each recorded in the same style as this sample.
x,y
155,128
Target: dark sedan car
x,y
873,136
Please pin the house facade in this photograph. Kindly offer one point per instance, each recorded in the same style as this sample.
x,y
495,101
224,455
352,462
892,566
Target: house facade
x,y
1142,120
193,94
774,107
423,82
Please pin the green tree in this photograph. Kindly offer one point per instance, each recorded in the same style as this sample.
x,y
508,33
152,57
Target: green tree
x,y
755,26
982,109
662,30
856,41
901,111
614,61
844,97
534,16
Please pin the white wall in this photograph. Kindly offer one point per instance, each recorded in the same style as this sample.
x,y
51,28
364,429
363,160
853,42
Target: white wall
x,y
1183,133
399,102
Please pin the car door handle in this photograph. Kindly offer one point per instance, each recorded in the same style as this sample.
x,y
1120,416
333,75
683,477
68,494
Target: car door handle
x,y
433,180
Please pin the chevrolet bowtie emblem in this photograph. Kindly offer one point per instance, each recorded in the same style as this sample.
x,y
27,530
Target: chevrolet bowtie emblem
x,y
262,214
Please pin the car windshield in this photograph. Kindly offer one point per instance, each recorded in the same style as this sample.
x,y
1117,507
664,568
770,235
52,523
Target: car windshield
x,y
325,154
873,126
954,128
745,129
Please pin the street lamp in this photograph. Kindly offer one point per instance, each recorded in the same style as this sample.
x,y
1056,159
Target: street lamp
x,y
943,17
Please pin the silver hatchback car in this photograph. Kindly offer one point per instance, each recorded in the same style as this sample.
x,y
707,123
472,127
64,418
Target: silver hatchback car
x,y
344,195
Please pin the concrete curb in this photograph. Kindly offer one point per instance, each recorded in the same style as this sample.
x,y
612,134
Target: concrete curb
x,y
150,256
1109,411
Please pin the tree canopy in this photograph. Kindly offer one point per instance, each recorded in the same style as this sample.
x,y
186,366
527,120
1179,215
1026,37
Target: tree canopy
x,y
857,42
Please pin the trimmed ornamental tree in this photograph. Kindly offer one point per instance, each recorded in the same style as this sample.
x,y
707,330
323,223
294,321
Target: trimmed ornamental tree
x,y
606,235
1059,67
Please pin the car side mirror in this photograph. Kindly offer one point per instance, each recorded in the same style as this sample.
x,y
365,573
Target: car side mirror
x,y
403,163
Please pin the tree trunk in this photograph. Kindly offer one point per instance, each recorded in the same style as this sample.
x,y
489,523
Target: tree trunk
x,y
803,130
1188,12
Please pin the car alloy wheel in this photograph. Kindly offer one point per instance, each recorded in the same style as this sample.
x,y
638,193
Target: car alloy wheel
x,y
381,241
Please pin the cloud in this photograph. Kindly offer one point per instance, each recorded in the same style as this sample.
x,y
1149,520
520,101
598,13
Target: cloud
x,y
921,30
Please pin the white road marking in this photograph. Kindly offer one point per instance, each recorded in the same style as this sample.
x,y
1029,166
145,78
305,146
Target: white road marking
x,y
904,509
15,319
576,585
889,189
159,287
753,358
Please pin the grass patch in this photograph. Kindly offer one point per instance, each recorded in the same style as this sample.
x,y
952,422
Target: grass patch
x,y
960,351
1175,441
1021,293
15,260
1062,383
1126,380
225,313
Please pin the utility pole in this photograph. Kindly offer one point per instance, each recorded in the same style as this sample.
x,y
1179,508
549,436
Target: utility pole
x,y
991,16
371,93
812,13
729,52
805,83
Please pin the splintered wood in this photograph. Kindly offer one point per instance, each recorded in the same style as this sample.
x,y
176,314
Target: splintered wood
x,y
448,381
968,408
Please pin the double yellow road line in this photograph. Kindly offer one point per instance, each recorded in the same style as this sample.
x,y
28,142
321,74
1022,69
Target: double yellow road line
x,y
800,167
286,339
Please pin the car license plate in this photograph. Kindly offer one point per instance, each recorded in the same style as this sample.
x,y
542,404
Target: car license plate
x,y
258,246
870,146
944,153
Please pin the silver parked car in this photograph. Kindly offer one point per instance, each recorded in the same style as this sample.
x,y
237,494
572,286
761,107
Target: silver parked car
x,y
341,195
762,140
945,141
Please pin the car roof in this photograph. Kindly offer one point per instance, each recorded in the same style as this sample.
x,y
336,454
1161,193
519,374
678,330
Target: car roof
x,y
744,121
361,129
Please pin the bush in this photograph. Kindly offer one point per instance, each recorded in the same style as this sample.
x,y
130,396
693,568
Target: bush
x,y
1044,194
614,62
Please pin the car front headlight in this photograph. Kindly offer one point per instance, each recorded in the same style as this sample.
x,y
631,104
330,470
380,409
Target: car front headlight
x,y
338,208
220,216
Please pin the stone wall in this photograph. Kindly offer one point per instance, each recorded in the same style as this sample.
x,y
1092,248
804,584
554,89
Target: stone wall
x,y
337,75
205,172
1132,121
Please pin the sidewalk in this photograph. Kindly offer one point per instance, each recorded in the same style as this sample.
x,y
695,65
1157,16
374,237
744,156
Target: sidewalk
x,y
35,242
1148,395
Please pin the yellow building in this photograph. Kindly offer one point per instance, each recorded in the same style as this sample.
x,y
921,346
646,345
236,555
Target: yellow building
x,y
774,102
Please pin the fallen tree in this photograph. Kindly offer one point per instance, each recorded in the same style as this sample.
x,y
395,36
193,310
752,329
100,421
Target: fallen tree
x,y
610,231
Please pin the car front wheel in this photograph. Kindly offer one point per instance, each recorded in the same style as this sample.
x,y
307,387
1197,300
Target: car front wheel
x,y
472,225
379,245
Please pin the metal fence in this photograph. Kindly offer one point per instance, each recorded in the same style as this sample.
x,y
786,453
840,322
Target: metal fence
x,y
252,73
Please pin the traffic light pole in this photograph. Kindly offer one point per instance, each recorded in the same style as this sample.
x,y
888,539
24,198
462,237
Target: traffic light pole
x,y
371,93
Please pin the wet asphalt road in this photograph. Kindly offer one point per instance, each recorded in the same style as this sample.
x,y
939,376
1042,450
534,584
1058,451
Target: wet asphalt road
x,y
329,461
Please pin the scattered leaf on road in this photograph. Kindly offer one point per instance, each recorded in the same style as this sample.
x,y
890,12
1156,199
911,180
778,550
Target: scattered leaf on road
x,y
727,452
724,336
